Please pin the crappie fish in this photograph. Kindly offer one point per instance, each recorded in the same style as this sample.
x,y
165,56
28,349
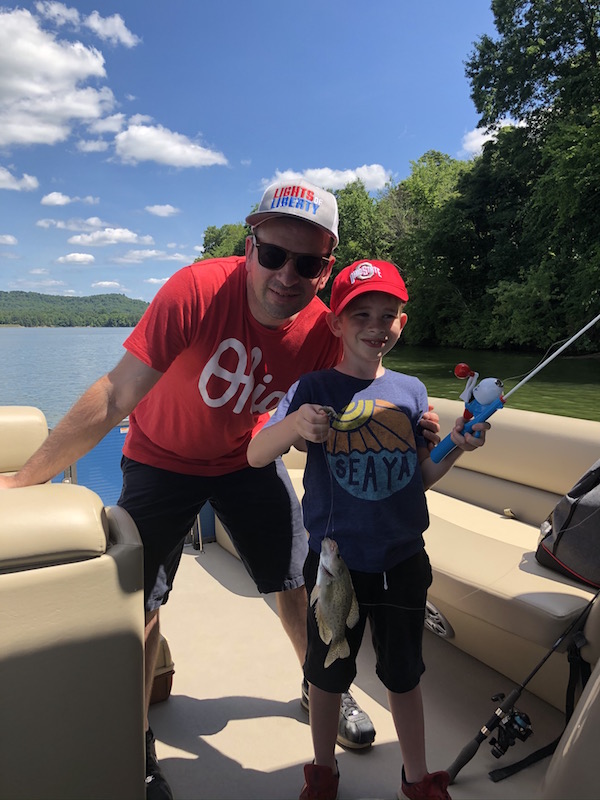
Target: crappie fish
x,y
334,601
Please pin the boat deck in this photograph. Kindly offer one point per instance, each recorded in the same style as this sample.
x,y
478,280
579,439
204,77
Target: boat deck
x,y
233,726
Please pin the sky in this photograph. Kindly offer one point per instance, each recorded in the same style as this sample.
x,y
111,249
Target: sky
x,y
128,127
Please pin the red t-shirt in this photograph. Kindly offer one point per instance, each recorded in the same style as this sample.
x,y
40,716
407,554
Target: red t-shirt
x,y
223,371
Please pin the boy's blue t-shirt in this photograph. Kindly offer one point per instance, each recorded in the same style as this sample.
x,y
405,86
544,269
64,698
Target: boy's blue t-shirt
x,y
363,487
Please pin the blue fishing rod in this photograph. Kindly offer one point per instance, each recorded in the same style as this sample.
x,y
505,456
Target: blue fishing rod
x,y
482,412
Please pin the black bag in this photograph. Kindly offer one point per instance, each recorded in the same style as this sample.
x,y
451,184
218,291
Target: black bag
x,y
570,537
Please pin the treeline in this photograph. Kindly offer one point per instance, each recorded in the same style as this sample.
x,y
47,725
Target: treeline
x,y
501,251
32,310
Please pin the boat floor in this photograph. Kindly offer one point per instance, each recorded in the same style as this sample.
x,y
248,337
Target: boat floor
x,y
233,726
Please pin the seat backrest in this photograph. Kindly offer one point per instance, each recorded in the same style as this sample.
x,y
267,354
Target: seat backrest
x,y
529,461
22,431
72,622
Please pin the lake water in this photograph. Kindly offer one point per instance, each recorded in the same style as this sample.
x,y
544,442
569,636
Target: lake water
x,y
51,367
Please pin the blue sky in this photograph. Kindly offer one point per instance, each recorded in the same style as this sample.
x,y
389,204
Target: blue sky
x,y
127,128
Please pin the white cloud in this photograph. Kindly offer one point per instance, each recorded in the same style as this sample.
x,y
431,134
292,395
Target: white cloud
x,y
199,248
110,236
76,258
31,286
57,13
55,199
137,256
473,141
156,280
162,211
139,119
41,81
112,29
86,225
25,184
92,145
156,143
111,124
60,199
7,238
373,176
38,271
108,285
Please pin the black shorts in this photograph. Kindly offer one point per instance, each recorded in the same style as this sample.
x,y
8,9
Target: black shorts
x,y
258,508
394,604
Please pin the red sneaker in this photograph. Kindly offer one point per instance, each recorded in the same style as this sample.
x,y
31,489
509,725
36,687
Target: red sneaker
x,y
320,783
433,787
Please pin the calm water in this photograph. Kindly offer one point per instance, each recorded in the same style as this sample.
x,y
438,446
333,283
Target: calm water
x,y
568,386
51,367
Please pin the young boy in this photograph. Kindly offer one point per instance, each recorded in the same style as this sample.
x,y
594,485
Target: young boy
x,y
367,470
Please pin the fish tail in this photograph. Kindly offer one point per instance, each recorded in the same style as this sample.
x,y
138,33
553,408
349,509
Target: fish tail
x,y
340,649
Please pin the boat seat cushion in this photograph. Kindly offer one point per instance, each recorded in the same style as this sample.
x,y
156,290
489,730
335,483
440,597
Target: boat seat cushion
x,y
503,578
50,524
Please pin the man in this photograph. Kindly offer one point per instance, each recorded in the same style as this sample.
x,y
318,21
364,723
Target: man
x,y
213,354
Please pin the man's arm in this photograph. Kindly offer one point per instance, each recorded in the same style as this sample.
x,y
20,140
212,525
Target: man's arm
x,y
103,406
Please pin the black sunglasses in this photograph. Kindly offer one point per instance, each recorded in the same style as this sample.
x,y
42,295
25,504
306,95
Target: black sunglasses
x,y
273,257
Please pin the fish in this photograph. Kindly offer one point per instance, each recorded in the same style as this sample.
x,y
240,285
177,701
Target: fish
x,y
334,601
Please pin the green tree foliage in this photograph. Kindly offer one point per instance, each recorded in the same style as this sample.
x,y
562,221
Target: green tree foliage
x,y
543,69
228,240
361,229
31,310
545,58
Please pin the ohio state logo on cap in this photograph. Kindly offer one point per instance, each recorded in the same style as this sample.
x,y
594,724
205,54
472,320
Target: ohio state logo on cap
x,y
365,271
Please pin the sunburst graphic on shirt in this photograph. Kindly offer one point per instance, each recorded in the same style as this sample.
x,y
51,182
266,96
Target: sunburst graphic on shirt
x,y
371,449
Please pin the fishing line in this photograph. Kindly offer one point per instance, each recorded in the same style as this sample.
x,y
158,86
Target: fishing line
x,y
332,414
547,353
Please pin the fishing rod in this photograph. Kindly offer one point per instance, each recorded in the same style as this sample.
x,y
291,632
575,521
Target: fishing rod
x,y
481,411
505,716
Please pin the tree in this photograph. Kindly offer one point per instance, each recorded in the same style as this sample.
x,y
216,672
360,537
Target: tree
x,y
360,229
545,58
228,240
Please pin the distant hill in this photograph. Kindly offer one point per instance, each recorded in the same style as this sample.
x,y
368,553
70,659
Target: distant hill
x,y
34,310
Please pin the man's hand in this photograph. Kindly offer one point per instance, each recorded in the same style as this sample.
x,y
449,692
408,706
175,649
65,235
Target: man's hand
x,y
430,424
7,482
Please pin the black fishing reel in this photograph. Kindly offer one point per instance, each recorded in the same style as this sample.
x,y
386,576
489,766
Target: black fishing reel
x,y
514,725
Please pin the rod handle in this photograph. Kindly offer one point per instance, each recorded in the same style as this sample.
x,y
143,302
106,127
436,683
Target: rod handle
x,y
446,446
465,755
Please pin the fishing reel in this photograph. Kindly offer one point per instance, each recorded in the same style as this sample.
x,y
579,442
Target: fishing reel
x,y
514,725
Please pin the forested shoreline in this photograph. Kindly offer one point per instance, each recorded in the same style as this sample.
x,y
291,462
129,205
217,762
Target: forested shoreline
x,y
33,310
501,251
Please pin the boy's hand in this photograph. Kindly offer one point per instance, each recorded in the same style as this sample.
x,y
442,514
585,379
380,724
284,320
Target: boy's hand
x,y
430,425
468,441
312,423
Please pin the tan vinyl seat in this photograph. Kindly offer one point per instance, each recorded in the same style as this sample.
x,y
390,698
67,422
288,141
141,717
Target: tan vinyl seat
x,y
71,621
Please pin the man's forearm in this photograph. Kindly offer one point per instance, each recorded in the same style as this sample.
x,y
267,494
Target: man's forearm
x,y
84,425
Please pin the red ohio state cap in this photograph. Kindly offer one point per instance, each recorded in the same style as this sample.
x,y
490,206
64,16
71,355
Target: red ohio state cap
x,y
366,276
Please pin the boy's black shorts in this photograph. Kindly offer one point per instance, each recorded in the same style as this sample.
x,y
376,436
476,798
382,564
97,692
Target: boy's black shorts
x,y
394,604
258,508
